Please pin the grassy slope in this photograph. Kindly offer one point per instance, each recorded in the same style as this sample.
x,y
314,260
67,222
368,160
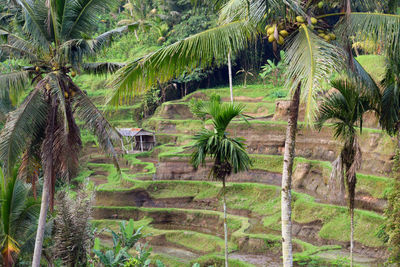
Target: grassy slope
x,y
260,199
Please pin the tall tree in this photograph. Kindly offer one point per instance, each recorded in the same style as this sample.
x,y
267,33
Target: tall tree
x,y
228,153
55,43
346,107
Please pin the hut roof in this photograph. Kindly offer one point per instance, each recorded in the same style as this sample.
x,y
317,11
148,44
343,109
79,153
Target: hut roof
x,y
134,132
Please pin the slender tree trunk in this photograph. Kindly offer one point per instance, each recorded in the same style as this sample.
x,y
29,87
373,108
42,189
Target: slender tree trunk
x,y
351,236
286,196
230,74
47,178
225,225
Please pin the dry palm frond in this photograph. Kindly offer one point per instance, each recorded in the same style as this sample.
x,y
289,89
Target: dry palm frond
x,y
72,238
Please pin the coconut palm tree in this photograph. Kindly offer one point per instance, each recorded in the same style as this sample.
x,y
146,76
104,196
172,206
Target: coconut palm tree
x,y
346,107
311,57
228,153
54,43
18,221
138,12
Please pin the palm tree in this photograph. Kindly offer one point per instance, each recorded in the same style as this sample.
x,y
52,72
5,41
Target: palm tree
x,y
19,214
228,153
310,58
54,42
138,12
346,108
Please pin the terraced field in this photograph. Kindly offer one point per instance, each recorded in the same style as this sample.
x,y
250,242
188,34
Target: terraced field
x,y
182,209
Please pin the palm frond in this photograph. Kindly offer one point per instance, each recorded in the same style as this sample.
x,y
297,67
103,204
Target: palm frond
x,y
270,10
234,10
345,107
99,68
74,50
198,51
383,28
310,61
81,16
96,122
390,107
22,124
35,21
13,84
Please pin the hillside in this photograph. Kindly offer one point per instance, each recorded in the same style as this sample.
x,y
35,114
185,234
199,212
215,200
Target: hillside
x,y
182,209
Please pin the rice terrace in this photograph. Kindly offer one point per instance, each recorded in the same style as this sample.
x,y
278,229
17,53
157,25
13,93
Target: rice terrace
x,y
199,133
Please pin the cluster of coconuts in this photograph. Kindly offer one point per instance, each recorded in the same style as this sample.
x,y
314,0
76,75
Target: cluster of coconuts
x,y
327,36
276,33
54,68
66,95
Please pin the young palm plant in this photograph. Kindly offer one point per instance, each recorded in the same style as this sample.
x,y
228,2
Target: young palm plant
x,y
228,153
53,43
19,214
346,107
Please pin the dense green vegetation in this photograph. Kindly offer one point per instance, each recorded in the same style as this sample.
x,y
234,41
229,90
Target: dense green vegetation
x,y
160,63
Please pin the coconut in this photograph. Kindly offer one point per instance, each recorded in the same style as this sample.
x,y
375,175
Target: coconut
x,y
37,69
271,38
284,33
281,40
332,36
314,21
66,94
73,73
300,19
271,30
327,37
321,4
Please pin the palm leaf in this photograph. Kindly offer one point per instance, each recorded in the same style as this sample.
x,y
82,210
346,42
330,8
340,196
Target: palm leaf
x,y
35,21
383,28
13,84
198,51
310,61
96,122
22,124
74,50
99,68
82,15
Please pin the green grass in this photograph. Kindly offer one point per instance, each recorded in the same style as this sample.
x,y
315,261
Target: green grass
x,y
168,260
218,260
266,92
375,65
199,242
264,200
336,221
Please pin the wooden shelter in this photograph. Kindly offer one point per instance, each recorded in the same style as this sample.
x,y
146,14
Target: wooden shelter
x,y
136,140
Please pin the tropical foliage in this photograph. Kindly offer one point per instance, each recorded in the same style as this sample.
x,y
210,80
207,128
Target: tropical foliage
x,y
228,153
346,108
18,220
53,45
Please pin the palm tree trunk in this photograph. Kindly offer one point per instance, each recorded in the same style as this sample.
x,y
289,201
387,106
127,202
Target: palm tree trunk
x,y
230,74
47,178
351,236
286,196
225,225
